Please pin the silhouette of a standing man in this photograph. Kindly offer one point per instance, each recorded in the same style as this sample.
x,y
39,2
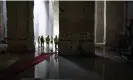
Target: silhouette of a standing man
x,y
56,41
39,41
51,40
42,41
47,40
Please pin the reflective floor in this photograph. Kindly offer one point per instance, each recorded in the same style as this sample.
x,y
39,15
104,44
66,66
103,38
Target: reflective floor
x,y
82,69
106,52
76,68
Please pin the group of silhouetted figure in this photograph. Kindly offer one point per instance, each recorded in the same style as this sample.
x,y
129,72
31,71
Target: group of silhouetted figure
x,y
48,40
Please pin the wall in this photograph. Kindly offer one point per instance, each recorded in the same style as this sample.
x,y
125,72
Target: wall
x,y
76,21
130,9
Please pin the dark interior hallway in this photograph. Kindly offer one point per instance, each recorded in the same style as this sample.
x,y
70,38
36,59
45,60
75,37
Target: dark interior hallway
x,y
78,56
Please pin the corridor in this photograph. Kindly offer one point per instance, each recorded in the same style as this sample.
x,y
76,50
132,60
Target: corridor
x,y
78,58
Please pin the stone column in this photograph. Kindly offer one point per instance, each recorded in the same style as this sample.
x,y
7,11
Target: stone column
x,y
76,27
99,22
115,21
20,26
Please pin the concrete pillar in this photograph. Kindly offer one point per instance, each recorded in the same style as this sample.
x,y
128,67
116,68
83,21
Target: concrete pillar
x,y
20,26
76,27
115,21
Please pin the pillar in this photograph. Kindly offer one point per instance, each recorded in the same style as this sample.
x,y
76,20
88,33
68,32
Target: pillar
x,y
20,30
115,23
99,21
76,27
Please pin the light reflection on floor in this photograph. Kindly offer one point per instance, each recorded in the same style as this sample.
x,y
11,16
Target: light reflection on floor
x,y
79,68
48,68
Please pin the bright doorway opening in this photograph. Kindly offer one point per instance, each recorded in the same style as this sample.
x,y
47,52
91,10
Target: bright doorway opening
x,y
46,19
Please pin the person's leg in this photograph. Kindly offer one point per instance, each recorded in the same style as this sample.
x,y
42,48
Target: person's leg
x,y
48,44
41,44
43,47
38,44
56,45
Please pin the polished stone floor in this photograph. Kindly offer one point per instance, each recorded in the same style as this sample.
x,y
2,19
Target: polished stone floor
x,y
107,67
76,68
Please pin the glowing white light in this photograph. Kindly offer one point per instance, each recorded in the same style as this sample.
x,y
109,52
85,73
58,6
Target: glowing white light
x,y
46,20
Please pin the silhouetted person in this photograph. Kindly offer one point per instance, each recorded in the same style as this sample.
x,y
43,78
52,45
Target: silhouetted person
x,y
42,41
47,40
56,41
51,40
39,41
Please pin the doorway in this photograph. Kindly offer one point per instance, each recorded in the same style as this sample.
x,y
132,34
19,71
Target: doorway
x,y
46,20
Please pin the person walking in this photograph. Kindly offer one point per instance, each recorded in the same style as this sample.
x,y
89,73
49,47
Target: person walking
x,y
42,41
56,41
39,41
47,40
51,40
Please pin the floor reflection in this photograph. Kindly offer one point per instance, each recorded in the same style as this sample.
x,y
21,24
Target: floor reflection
x,y
83,68
105,52
48,68
94,69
